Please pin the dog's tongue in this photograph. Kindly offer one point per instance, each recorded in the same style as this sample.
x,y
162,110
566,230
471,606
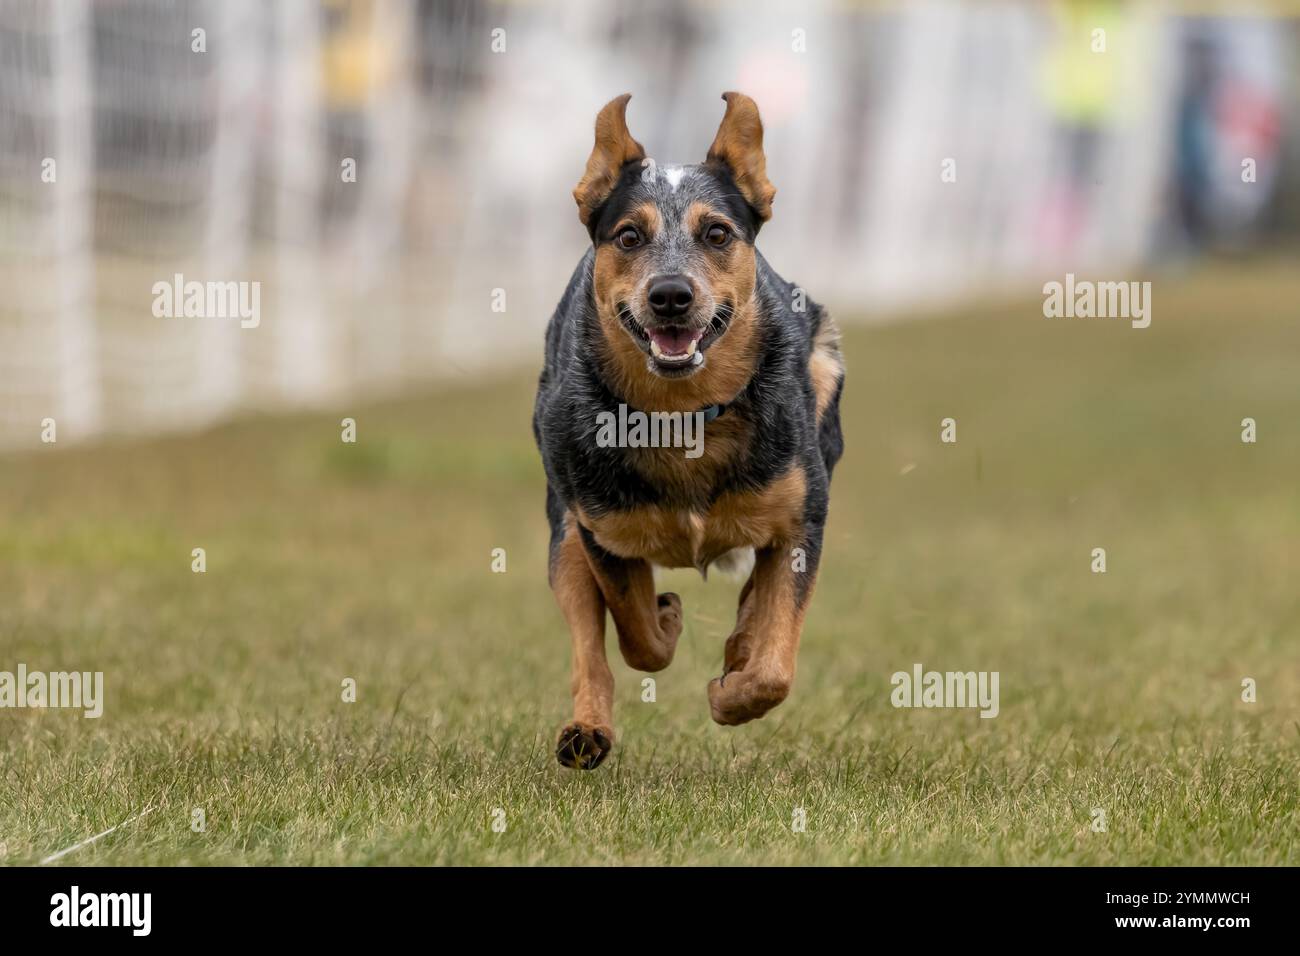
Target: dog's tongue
x,y
673,341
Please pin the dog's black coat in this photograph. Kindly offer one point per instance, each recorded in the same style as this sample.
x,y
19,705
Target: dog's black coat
x,y
778,402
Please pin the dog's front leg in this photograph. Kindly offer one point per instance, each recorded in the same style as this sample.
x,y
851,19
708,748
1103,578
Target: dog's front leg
x,y
648,624
589,737
760,654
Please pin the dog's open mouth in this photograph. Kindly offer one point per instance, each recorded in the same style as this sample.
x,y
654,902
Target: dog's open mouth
x,y
674,345
674,350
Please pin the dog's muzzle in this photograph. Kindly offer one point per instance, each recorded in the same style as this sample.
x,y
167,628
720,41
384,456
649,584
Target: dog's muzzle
x,y
676,349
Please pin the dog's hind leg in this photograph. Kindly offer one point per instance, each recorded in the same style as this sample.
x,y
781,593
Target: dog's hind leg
x,y
648,624
589,737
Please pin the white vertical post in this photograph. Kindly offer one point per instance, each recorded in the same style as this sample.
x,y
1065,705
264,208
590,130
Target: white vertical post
x,y
384,183
78,359
299,324
233,25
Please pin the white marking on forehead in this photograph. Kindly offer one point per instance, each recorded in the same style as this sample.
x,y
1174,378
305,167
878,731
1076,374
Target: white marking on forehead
x,y
674,175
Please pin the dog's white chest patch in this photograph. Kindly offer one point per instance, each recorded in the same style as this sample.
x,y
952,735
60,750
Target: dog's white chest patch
x,y
736,564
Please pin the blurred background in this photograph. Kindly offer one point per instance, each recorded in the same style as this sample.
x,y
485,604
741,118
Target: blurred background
x,y
935,164
222,154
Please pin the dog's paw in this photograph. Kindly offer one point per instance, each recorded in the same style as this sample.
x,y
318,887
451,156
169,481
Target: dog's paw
x,y
653,652
583,746
738,697
670,615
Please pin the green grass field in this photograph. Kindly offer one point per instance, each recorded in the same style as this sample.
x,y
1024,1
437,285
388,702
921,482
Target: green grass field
x,y
1119,691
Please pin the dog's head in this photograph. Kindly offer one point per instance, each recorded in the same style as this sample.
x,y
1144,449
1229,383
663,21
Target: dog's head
x,y
675,267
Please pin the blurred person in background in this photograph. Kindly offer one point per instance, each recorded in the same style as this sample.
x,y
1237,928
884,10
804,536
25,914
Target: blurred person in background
x,y
1079,90
1228,136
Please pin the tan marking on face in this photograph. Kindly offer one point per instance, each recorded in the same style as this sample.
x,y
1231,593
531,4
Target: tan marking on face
x,y
722,275
620,274
729,272
730,365
645,217
700,212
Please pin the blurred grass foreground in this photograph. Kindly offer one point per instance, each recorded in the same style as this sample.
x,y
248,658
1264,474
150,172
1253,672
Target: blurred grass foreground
x,y
373,561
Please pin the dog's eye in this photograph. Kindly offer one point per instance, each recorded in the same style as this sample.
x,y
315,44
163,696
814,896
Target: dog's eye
x,y
628,238
717,236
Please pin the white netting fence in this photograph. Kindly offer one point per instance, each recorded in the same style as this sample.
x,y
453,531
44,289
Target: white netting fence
x,y
134,149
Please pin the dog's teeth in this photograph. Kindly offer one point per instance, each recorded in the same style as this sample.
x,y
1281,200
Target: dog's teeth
x,y
691,355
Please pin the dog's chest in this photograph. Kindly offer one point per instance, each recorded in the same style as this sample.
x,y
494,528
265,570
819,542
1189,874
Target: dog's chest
x,y
696,537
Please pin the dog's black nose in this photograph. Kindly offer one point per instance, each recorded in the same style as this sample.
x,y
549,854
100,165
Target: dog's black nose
x,y
671,296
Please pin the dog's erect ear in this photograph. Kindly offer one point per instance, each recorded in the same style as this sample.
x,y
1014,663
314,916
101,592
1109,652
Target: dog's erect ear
x,y
614,149
739,145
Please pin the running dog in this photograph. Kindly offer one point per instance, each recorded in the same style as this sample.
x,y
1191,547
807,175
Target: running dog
x,y
673,312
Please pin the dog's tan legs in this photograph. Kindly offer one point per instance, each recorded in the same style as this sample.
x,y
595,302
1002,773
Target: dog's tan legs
x,y
760,654
648,624
738,646
589,737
